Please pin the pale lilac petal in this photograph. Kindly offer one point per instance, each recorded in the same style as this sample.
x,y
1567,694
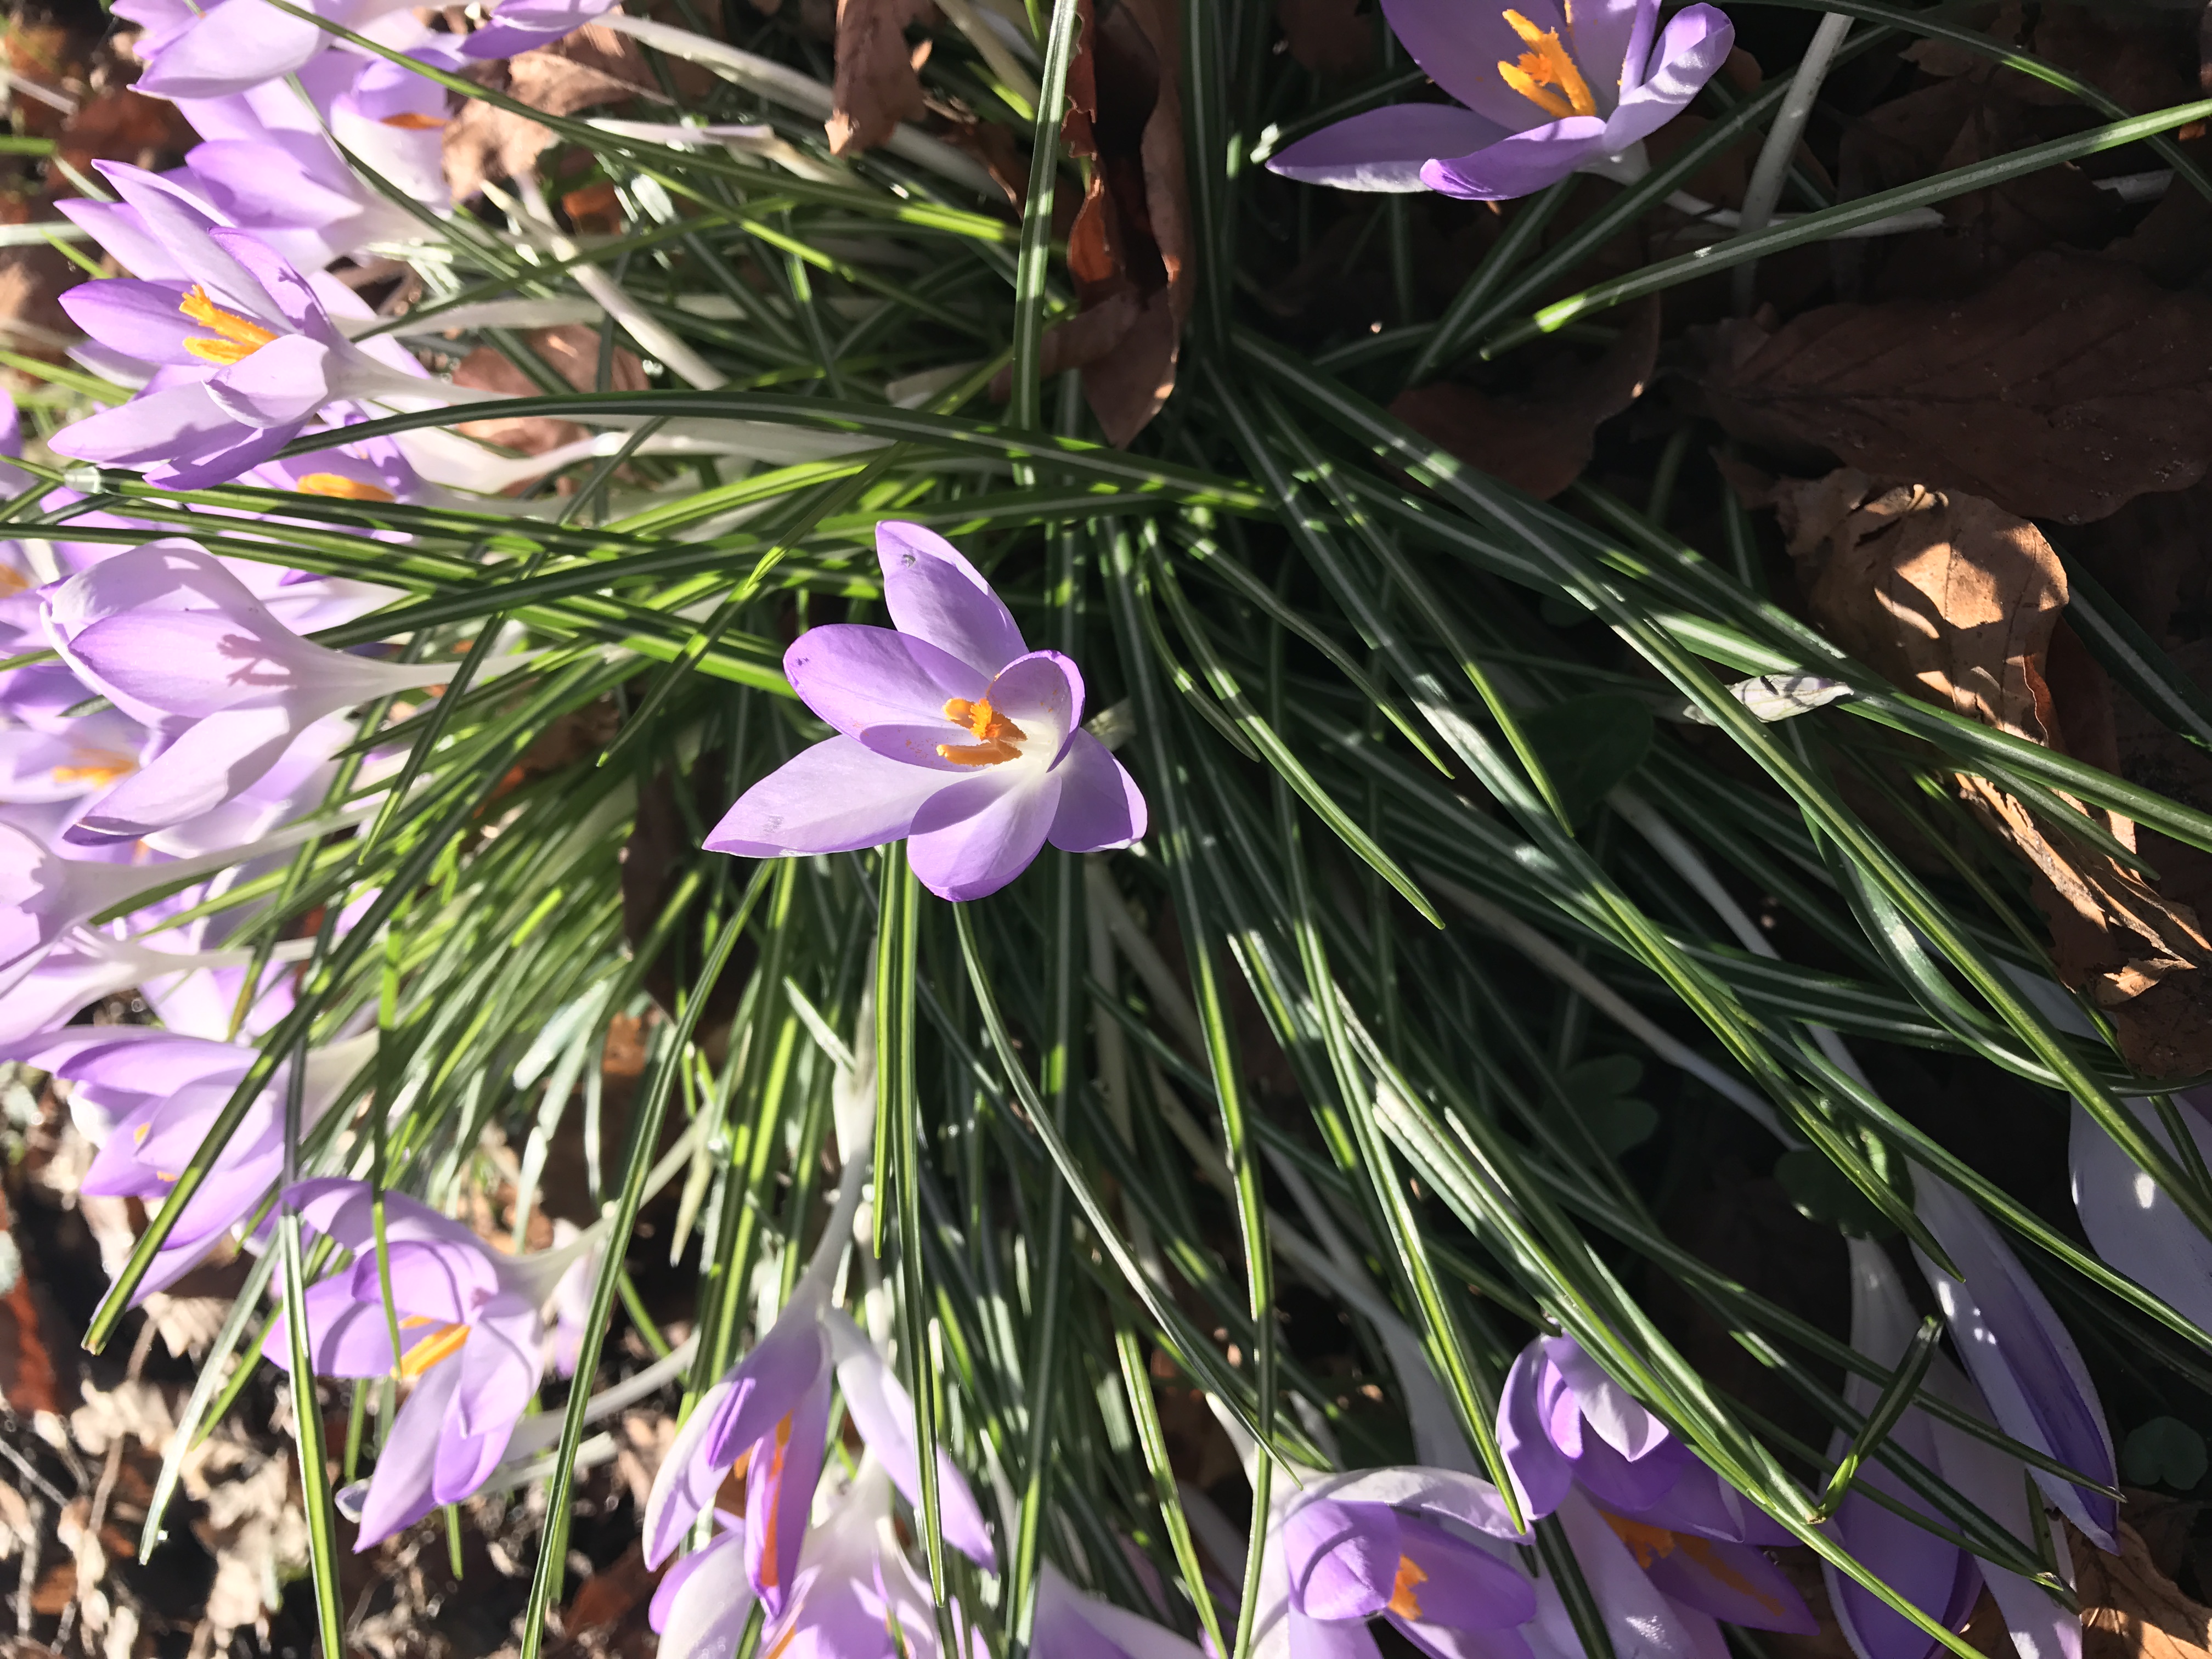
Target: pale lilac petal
x,y
705,1617
37,767
1384,149
1441,1641
972,838
343,1211
346,1337
684,1569
1445,1581
2019,1354
779,1485
1611,39
1635,1487
1521,164
142,319
2132,1222
880,1408
186,663
121,229
436,1284
1695,44
1343,1557
274,182
236,44
689,1478
858,678
835,796
1541,1474
1460,47
501,1364
1731,1582
180,1124
1619,1419
1434,1494
280,384
1644,1623
933,593
1324,1638
400,1490
186,223
1042,694
217,759
463,1462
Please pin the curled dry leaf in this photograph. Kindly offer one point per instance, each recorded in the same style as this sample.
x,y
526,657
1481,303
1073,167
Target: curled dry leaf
x,y
1952,596
2070,387
1543,442
1129,250
591,68
876,86
573,350
2132,1610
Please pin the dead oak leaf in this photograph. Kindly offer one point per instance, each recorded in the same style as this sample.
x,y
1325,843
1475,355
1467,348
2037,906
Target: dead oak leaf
x,y
1951,595
2068,388
1540,443
589,69
2130,1609
876,86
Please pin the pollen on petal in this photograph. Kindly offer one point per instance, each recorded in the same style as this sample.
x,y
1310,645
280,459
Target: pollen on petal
x,y
1546,75
999,736
235,337
337,486
96,767
1649,1543
410,121
1403,1601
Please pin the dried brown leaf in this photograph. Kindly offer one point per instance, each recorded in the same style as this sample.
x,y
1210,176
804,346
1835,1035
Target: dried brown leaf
x,y
1540,443
876,86
1949,595
2131,1610
591,68
1130,245
1329,37
573,350
122,124
2071,385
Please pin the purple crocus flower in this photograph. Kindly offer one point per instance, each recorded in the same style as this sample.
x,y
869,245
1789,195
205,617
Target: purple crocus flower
x,y
148,1098
177,642
769,1416
472,1340
518,25
950,734
48,755
1563,1422
236,44
1071,1625
246,350
1939,1578
854,1594
1543,92
2020,1355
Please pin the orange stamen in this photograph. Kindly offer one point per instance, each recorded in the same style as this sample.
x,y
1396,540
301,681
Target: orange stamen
x,y
1546,64
238,337
341,488
409,121
441,1344
1650,1543
99,767
1403,1601
775,1510
999,734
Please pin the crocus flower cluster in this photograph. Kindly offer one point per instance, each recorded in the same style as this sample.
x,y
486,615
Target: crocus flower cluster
x,y
951,734
1544,91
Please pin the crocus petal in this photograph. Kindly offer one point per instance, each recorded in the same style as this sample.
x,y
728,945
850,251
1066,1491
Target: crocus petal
x,y
1343,1557
344,1212
705,1615
274,181
1731,1582
858,678
1696,43
1541,1475
431,1284
779,1485
216,760
879,1407
835,796
154,428
1428,1493
933,593
280,384
974,836
236,44
689,1478
346,1337
1619,1419
1644,1623
1384,149
139,318
500,1364
121,229
400,1493
1612,40
1447,1581
1325,1638
2020,1355
1521,164
1460,47
1042,694
2132,1222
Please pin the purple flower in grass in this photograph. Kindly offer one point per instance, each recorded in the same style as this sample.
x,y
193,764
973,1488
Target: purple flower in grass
x,y
2019,1355
246,351
854,1595
1544,91
1071,1625
1939,1578
518,25
951,734
46,754
177,642
1562,1422
2131,1221
702,1603
471,1341
194,52
769,1417
149,1097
